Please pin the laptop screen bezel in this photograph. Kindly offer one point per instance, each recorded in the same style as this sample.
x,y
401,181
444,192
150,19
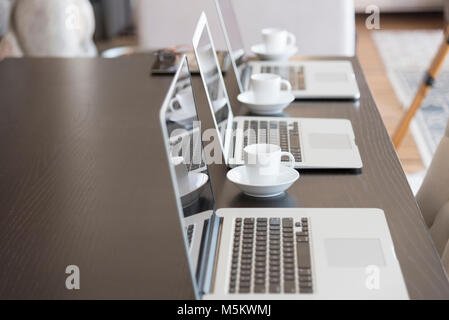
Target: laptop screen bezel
x,y
237,73
200,286
203,26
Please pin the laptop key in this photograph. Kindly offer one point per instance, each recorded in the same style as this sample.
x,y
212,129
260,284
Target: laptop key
x,y
289,287
244,290
287,222
305,284
289,277
275,279
304,272
305,290
275,288
259,289
248,221
288,267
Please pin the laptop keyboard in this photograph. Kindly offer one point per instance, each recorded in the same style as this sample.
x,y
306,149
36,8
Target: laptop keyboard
x,y
282,133
294,74
271,255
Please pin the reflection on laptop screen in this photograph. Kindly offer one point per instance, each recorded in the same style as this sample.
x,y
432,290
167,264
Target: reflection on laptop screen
x,y
214,84
232,27
181,129
233,37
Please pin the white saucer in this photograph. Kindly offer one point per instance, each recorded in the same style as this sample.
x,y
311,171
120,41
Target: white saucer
x,y
261,52
197,181
268,107
181,117
287,176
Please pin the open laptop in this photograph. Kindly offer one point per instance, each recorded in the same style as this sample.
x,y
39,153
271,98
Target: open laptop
x,y
167,60
315,143
281,253
309,79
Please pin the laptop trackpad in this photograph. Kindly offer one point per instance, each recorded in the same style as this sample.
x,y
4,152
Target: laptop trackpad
x,y
331,77
329,141
354,253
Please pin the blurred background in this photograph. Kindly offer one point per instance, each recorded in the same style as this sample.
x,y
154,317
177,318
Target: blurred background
x,y
394,48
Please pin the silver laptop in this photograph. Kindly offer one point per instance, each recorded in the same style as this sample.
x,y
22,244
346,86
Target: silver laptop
x,y
315,143
309,79
280,253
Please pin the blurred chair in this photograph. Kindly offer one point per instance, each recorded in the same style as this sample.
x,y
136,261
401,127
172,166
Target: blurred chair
x,y
62,28
433,198
5,6
322,27
9,46
445,258
112,17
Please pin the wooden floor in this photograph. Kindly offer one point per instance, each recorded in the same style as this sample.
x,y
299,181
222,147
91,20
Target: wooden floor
x,y
372,65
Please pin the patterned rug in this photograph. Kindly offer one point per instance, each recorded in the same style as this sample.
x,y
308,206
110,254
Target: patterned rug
x,y
406,56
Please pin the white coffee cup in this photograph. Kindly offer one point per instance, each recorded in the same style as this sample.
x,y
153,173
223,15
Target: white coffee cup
x,y
184,99
182,174
263,162
277,40
267,87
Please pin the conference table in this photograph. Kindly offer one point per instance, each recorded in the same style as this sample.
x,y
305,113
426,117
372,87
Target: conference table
x,y
84,181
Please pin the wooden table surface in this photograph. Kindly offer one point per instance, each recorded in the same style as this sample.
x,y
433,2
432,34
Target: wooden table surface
x,y
84,181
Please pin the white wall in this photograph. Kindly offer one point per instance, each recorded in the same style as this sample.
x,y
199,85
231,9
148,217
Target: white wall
x,y
4,16
399,5
322,27
164,23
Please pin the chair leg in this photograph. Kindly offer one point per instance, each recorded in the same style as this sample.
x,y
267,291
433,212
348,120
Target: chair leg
x,y
423,90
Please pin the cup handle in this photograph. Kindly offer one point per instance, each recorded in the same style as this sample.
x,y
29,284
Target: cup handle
x,y
171,106
291,164
291,39
287,84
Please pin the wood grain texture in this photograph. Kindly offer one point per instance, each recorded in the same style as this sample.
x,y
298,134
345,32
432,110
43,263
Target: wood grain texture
x,y
84,181
80,171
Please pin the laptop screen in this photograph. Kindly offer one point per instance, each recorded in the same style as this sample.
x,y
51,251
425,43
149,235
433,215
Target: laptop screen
x,y
213,82
233,37
189,172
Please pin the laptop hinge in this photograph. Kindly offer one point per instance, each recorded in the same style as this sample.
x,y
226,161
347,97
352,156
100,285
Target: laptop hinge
x,y
209,285
246,76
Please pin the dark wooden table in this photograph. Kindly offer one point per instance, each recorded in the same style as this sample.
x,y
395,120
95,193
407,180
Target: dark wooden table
x,y
84,181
